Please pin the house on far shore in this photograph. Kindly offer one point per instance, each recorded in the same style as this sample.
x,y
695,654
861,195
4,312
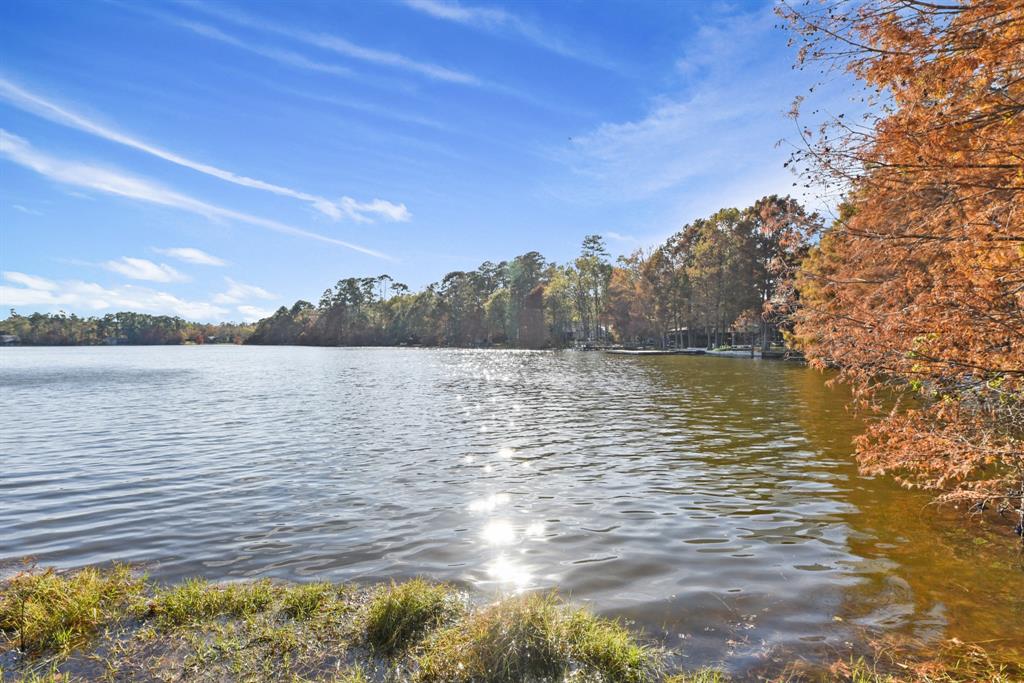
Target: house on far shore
x,y
9,339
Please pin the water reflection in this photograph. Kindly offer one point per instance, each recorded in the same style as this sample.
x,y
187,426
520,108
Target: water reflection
x,y
711,500
509,574
498,532
489,503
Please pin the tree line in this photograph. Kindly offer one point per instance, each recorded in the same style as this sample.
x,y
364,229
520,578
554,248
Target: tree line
x,y
57,329
722,279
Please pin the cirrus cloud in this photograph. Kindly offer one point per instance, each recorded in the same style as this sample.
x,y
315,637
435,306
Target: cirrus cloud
x,y
192,255
144,269
94,177
345,207
239,291
494,19
339,45
30,281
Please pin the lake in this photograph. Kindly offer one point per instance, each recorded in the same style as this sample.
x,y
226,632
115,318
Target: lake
x,y
713,501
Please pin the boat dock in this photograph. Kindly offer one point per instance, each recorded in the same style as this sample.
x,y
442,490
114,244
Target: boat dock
x,y
770,355
657,352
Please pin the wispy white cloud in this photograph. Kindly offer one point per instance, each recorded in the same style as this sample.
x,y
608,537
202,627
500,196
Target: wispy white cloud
x,y
453,11
30,281
25,209
239,291
105,180
664,148
717,128
379,111
79,295
41,106
144,269
377,207
707,142
251,314
337,45
340,45
276,54
495,19
191,255
619,237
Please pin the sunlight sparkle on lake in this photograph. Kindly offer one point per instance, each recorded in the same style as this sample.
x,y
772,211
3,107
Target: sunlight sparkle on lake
x,y
507,571
489,503
498,532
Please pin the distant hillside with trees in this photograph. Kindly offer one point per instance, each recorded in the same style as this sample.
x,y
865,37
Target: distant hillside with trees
x,y
726,278
61,329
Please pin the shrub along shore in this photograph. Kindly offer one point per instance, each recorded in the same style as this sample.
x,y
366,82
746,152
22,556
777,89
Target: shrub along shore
x,y
111,624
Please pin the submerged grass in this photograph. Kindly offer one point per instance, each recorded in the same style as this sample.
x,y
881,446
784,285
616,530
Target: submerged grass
x,y
107,624
955,662
698,676
353,675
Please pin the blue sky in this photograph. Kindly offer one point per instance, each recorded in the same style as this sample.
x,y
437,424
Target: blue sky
x,y
218,160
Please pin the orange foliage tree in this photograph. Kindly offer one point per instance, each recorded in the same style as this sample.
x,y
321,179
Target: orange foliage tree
x,y
916,293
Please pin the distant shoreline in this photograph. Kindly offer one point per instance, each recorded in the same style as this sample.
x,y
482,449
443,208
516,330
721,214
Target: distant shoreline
x,y
788,354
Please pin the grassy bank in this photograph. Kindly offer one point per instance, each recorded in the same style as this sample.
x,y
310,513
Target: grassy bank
x,y
114,625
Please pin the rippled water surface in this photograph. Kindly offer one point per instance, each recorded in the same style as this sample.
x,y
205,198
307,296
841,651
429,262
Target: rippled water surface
x,y
711,500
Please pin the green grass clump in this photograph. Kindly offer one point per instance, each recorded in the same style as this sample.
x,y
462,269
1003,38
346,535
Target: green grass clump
x,y
303,601
47,609
509,641
607,647
401,614
275,640
198,600
534,637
